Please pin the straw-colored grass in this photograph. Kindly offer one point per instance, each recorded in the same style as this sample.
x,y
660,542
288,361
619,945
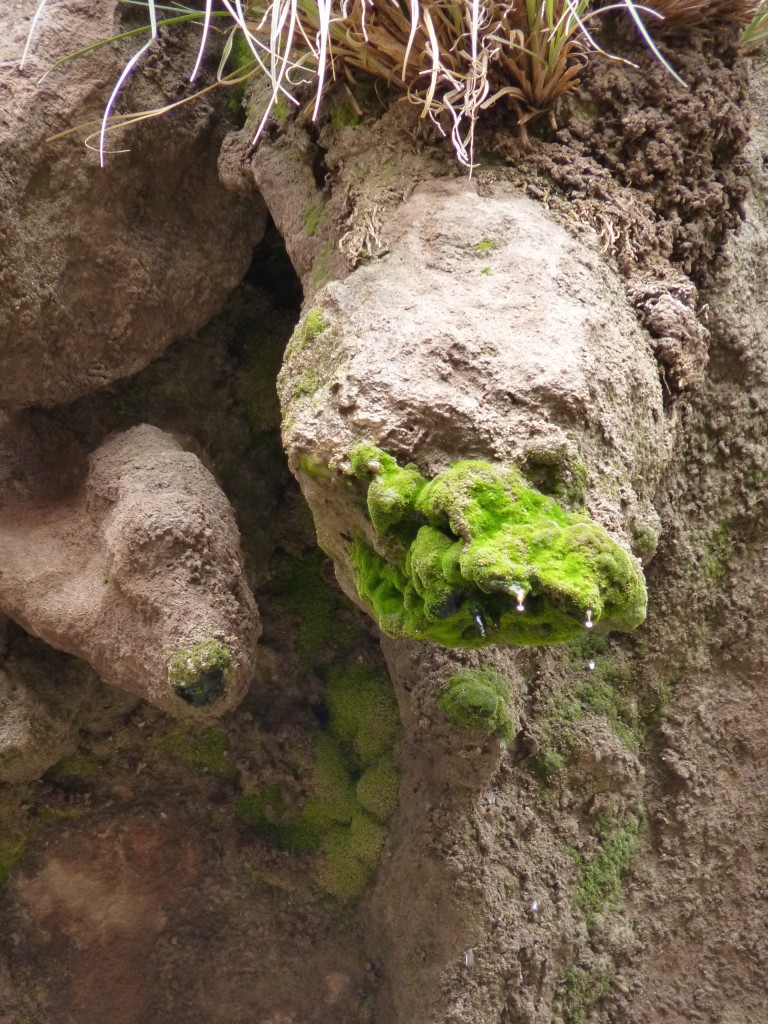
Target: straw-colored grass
x,y
455,59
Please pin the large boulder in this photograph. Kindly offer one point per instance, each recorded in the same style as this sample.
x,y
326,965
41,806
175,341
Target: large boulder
x,y
545,371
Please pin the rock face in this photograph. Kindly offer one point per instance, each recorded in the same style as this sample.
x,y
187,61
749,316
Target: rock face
x,y
547,370
131,561
103,268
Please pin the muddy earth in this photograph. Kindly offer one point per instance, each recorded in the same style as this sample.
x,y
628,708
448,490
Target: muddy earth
x,y
235,388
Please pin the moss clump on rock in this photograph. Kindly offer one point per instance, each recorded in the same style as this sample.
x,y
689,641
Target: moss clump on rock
x,y
477,700
200,674
476,557
351,788
310,327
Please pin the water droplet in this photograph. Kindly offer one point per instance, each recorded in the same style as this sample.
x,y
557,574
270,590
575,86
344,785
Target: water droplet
x,y
492,798
591,664
520,595
469,958
534,906
588,623
479,622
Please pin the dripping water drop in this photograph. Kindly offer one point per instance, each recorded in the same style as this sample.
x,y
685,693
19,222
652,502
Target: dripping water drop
x,y
588,623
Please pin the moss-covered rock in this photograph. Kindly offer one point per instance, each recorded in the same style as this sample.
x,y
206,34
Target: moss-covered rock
x,y
477,700
199,674
476,556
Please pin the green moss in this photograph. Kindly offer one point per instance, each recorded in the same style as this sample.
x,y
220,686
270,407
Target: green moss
x,y
363,711
199,674
320,266
333,793
349,856
344,115
203,750
582,989
376,790
13,845
601,886
485,270
312,218
310,327
303,590
477,700
459,554
82,765
307,385
486,245
280,109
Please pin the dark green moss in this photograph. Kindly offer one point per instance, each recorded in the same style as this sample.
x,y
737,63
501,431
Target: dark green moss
x,y
302,589
349,856
476,557
477,700
203,750
377,788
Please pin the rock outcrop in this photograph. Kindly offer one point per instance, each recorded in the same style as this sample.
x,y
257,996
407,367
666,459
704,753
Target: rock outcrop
x,y
130,560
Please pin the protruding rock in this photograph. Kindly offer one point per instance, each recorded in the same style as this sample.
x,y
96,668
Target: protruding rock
x,y
130,560
547,374
103,268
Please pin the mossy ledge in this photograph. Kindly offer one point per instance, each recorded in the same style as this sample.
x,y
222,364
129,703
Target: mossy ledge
x,y
476,557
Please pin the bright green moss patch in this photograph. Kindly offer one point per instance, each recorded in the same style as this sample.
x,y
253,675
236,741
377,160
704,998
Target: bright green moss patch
x,y
202,750
333,792
309,327
477,700
199,674
476,556
486,245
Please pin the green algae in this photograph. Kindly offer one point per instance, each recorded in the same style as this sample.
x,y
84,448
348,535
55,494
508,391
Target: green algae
x,y
477,700
476,557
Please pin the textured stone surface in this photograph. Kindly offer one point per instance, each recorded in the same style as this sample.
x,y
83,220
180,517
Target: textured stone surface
x,y
129,559
102,269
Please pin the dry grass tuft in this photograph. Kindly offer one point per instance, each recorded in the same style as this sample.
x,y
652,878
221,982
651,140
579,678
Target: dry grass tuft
x,y
453,58
690,13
